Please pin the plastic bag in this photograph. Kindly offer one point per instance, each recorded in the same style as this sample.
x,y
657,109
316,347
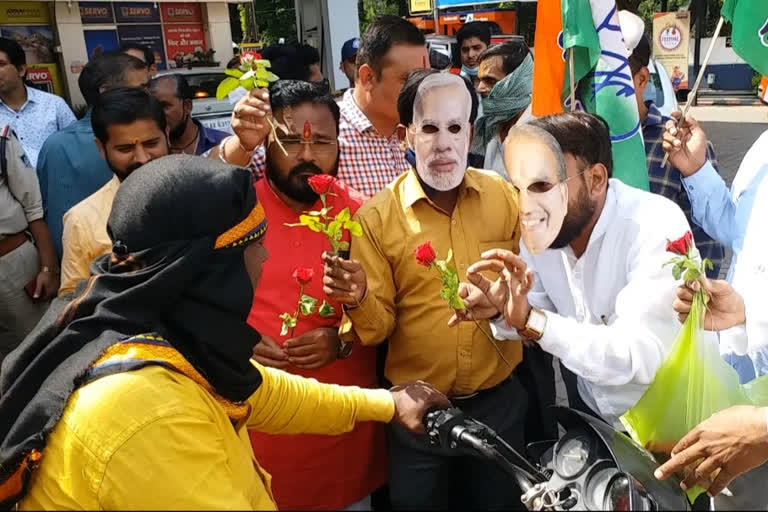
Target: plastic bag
x,y
693,383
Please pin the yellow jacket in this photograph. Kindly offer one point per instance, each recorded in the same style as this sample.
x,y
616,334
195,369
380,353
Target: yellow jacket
x,y
155,439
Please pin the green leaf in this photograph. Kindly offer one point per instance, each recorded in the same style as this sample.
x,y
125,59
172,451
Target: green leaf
x,y
456,302
250,74
450,256
262,83
708,264
334,229
307,305
233,72
673,261
225,87
677,270
691,275
326,310
264,62
343,215
342,246
247,84
355,229
440,264
289,322
311,222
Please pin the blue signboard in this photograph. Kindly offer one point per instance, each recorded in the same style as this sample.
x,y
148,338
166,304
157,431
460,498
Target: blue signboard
x,y
100,41
96,12
442,4
137,12
147,35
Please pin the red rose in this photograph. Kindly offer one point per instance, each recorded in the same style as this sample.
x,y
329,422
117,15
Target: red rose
x,y
682,245
249,57
425,254
303,274
321,183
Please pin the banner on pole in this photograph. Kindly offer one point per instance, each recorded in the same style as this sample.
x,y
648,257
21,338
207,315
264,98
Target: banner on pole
x,y
671,35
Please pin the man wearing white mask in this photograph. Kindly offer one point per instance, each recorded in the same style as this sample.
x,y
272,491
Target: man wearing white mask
x,y
588,286
388,295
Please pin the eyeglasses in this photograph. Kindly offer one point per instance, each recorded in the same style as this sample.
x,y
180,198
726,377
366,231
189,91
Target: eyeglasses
x,y
318,147
542,187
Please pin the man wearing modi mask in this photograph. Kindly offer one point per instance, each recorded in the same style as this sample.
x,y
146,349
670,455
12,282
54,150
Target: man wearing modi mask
x,y
589,285
388,295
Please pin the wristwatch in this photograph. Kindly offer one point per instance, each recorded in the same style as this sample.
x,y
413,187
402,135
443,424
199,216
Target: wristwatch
x,y
345,348
534,326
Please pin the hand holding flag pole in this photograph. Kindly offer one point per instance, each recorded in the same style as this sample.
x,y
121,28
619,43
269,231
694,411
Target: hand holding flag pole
x,y
695,90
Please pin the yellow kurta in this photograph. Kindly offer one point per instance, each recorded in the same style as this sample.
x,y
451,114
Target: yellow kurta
x,y
403,301
154,439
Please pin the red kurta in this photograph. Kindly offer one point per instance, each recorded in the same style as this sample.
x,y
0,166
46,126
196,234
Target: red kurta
x,y
311,472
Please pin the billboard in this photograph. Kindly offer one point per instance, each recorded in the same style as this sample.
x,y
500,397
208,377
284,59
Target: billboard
x,y
96,12
24,12
184,12
181,40
36,41
137,12
100,41
45,77
671,35
147,35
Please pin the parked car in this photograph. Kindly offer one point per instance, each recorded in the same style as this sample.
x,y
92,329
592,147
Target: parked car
x,y
205,107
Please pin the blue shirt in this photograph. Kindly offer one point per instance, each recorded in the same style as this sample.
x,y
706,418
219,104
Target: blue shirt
x,y
209,138
725,215
40,116
667,181
70,168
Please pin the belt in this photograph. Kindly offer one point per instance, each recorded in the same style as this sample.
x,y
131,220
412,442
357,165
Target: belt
x,y
11,243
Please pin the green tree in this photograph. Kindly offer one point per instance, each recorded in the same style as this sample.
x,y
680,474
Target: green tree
x,y
247,26
275,19
369,10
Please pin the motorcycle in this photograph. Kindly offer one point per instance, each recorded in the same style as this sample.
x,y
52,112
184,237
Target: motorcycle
x,y
591,467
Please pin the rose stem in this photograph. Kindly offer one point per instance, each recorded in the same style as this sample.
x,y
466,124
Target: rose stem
x,y
274,133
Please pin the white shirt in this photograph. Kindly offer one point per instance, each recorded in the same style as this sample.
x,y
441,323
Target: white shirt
x,y
609,313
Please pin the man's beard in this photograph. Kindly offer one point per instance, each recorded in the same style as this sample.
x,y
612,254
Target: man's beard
x,y
293,184
579,215
178,130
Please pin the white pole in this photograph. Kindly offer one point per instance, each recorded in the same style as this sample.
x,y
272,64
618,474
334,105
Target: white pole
x,y
695,90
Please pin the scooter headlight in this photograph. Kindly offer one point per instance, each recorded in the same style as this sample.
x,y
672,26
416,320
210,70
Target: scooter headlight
x,y
626,493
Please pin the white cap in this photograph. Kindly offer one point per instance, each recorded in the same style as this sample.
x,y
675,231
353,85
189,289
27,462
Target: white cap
x,y
632,28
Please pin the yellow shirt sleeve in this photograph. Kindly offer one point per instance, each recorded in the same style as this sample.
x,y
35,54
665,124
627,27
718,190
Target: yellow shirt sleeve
x,y
291,404
75,259
374,320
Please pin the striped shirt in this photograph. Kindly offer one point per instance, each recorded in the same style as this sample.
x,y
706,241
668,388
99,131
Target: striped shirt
x,y
368,161
667,181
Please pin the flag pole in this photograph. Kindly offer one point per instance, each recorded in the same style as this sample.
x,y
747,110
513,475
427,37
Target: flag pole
x,y
695,90
572,79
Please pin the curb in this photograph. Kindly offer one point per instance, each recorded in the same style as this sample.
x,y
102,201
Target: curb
x,y
729,101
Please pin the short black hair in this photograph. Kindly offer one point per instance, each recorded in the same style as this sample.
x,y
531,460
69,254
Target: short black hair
x,y
291,61
383,33
512,53
149,54
108,71
407,97
289,93
478,29
15,52
641,55
182,90
125,105
234,62
585,136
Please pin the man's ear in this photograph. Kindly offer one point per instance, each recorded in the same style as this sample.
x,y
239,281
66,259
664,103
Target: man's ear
x,y
366,77
598,181
23,71
641,80
187,107
102,149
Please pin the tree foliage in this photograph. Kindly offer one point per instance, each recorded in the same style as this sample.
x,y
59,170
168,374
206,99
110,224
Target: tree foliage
x,y
275,19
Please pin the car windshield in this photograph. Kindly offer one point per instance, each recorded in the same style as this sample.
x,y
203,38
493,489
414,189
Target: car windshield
x,y
654,90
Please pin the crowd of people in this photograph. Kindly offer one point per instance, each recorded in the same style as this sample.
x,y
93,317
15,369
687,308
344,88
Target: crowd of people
x,y
150,268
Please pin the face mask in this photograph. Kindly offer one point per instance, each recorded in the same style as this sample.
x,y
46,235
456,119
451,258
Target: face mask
x,y
440,131
469,71
536,172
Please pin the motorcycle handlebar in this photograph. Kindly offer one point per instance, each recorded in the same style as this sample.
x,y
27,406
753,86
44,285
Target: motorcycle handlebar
x,y
450,428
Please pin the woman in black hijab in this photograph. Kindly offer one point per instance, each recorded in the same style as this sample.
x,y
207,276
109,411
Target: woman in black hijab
x,y
136,392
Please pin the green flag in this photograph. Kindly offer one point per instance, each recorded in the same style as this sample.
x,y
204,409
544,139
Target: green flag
x,y
605,85
749,20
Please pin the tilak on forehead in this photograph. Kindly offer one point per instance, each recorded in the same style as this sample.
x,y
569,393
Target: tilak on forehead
x,y
307,133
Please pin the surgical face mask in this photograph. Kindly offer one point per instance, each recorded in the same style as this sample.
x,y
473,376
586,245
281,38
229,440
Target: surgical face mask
x,y
543,196
470,72
440,132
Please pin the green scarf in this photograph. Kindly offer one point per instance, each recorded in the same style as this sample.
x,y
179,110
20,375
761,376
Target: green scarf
x,y
510,96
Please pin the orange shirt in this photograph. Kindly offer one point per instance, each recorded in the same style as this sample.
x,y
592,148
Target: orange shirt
x,y
311,472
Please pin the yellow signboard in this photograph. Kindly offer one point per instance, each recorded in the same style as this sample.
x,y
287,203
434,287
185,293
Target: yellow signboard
x,y
419,6
45,77
671,34
15,13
